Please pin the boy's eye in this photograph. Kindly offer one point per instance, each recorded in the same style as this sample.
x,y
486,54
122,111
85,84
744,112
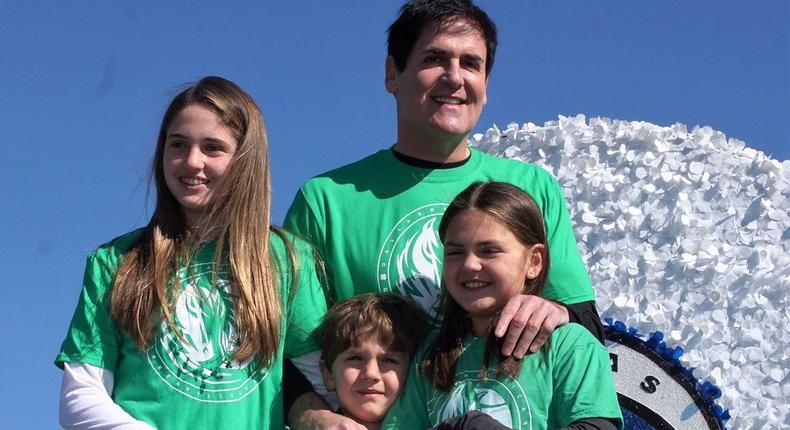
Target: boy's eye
x,y
353,358
391,360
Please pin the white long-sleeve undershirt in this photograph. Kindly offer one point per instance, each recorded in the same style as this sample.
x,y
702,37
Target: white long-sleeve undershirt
x,y
85,402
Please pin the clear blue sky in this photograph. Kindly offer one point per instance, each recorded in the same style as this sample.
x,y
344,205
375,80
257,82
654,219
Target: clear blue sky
x,y
83,86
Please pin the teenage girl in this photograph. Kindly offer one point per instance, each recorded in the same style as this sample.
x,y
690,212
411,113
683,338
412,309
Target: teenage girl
x,y
495,248
185,323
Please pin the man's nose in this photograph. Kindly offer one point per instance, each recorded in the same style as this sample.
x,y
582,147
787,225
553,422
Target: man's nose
x,y
452,74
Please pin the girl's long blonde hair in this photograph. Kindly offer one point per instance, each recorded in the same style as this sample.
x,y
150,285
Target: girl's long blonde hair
x,y
238,218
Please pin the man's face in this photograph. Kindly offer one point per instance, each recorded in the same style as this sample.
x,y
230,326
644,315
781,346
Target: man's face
x,y
442,90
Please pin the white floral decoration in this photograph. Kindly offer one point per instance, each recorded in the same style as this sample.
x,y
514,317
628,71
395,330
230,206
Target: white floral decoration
x,y
686,232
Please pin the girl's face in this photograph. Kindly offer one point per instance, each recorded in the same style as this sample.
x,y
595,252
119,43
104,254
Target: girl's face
x,y
198,150
485,265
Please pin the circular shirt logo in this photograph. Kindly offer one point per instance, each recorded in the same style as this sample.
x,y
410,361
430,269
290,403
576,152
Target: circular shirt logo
x,y
196,360
502,399
410,260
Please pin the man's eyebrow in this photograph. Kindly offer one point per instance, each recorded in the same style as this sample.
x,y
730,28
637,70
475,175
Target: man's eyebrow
x,y
473,57
433,50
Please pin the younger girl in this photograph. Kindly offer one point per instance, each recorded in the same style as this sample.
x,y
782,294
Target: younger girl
x,y
185,323
495,247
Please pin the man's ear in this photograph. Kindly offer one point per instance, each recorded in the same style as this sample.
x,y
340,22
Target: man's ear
x,y
485,94
535,260
391,75
326,375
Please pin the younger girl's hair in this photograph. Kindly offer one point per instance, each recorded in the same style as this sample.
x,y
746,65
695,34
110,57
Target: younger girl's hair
x,y
515,209
238,218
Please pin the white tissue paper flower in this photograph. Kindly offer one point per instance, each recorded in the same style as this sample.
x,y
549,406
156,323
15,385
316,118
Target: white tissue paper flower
x,y
686,232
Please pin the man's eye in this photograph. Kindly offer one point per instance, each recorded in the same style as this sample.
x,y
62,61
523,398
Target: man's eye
x,y
472,65
431,58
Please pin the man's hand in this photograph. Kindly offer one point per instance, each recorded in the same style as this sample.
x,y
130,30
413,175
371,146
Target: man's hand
x,y
326,420
310,412
529,321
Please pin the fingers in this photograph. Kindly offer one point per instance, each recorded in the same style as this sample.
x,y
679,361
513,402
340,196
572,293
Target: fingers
x,y
508,312
527,322
324,419
536,331
344,423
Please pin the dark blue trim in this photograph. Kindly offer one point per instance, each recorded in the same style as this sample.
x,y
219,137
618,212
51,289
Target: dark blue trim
x,y
706,391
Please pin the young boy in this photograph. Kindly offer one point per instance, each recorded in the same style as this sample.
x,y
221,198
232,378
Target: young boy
x,y
366,345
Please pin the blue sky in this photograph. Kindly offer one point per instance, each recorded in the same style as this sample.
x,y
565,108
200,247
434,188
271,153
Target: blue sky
x,y
84,85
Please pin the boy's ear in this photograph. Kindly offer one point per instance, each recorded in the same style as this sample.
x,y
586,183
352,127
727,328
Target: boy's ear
x,y
326,375
535,260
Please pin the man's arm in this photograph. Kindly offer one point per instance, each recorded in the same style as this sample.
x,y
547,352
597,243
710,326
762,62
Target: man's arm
x,y
528,321
584,313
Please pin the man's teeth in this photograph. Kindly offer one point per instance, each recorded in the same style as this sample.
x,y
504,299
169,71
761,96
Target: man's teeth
x,y
447,100
193,181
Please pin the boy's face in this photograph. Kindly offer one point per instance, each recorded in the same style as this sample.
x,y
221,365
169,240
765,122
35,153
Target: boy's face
x,y
367,377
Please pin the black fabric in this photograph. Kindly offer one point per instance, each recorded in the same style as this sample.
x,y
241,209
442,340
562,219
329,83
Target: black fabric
x,y
425,164
294,385
584,313
473,420
591,424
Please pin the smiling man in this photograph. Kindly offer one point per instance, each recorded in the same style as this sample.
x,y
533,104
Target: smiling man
x,y
374,222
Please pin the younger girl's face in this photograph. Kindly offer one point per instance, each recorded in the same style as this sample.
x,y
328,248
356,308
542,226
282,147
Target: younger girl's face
x,y
485,265
198,150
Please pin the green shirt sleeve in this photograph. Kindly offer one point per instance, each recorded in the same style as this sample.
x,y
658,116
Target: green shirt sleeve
x,y
301,220
583,385
568,281
306,304
93,338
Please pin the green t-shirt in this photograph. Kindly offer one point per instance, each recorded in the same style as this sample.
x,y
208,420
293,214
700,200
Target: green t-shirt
x,y
570,379
194,384
375,224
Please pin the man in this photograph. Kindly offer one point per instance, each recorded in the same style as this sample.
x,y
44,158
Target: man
x,y
374,221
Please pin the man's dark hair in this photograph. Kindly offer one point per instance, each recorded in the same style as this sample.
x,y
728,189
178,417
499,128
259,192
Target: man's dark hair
x,y
417,15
